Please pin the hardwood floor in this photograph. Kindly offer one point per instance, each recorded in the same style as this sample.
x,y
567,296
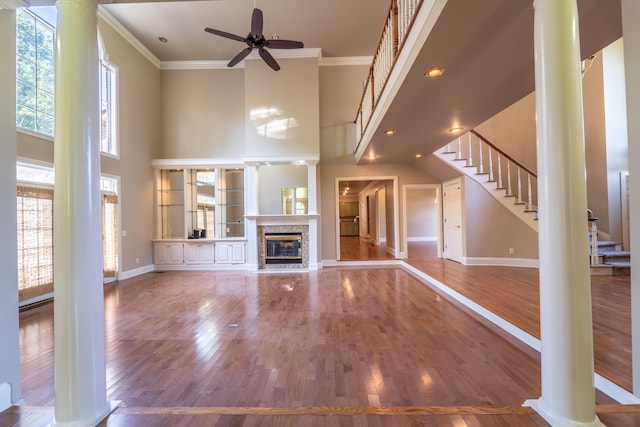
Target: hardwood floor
x,y
359,248
337,347
512,293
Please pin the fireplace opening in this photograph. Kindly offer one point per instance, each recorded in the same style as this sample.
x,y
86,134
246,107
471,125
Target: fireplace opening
x,y
283,248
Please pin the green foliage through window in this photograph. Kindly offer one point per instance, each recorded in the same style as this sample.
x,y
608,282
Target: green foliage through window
x,y
35,109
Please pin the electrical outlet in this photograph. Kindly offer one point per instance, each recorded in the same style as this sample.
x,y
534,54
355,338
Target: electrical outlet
x,y
512,251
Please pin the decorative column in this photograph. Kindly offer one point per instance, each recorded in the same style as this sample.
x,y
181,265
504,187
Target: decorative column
x,y
251,192
312,209
631,35
79,346
568,393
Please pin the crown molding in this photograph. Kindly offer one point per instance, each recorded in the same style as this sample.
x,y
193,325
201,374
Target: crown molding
x,y
11,4
219,65
126,34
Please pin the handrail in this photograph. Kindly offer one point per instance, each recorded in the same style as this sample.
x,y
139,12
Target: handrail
x,y
399,20
505,155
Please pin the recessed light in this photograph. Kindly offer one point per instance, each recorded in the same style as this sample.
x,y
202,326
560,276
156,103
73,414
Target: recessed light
x,y
434,71
371,156
455,129
163,39
389,131
418,155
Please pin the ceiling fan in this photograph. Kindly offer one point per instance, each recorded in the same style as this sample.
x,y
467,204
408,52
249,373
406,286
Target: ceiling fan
x,y
255,40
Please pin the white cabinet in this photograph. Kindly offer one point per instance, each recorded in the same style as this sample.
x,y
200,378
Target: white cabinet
x,y
198,253
168,253
230,253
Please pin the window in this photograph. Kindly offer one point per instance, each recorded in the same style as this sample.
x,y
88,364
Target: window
x,y
108,129
35,78
34,73
35,229
35,242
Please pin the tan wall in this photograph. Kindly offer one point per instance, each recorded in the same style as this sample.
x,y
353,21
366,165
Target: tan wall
x,y
139,133
291,97
202,114
491,229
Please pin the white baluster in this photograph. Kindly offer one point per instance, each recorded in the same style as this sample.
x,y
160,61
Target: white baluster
x,y
530,196
459,151
470,159
519,195
594,243
509,192
490,164
499,170
481,169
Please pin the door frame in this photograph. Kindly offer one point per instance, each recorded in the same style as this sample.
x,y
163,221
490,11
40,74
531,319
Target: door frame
x,y
396,225
438,189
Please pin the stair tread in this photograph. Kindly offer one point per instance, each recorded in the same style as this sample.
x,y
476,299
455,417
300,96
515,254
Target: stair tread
x,y
618,264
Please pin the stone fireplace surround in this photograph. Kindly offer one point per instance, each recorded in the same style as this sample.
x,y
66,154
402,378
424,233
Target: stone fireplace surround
x,y
284,228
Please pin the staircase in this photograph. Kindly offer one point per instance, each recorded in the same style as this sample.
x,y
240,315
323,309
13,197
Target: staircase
x,y
515,187
508,181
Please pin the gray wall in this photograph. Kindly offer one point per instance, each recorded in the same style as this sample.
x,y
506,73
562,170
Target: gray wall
x,y
422,214
491,229
9,356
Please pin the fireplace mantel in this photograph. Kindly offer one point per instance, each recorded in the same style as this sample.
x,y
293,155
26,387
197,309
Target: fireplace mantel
x,y
275,219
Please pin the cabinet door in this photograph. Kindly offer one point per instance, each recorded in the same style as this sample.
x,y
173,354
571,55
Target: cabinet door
x,y
237,253
168,253
230,253
191,253
206,253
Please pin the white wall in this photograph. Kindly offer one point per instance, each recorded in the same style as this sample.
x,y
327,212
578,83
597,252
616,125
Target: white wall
x,y
9,342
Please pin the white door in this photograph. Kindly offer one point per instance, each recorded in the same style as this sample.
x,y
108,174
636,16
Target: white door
x,y
452,210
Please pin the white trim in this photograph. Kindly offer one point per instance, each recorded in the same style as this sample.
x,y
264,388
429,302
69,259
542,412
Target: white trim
x,y
135,272
5,396
35,300
34,134
222,64
126,34
346,61
501,262
358,263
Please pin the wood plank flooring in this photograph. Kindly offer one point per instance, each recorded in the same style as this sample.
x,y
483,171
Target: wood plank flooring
x,y
338,347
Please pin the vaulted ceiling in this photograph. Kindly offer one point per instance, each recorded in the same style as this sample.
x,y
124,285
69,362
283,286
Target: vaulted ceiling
x,y
486,47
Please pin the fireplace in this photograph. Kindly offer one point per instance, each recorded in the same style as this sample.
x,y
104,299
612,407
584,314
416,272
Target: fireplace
x,y
283,248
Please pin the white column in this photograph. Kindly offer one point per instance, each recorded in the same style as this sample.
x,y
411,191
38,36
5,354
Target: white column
x,y
312,188
9,340
631,34
251,190
80,370
568,393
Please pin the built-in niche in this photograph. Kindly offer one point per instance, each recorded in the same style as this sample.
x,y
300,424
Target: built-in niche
x,y
283,189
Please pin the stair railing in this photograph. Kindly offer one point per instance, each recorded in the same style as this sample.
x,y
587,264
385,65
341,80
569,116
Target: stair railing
x,y
398,22
513,177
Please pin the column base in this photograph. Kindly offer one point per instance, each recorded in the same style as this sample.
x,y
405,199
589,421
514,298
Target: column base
x,y
556,421
111,406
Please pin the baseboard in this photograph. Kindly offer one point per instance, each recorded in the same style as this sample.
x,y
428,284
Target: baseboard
x,y
422,239
135,272
360,263
5,396
501,262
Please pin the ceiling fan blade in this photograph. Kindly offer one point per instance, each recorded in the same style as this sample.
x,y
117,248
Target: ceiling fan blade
x,y
256,23
284,44
239,57
226,35
270,60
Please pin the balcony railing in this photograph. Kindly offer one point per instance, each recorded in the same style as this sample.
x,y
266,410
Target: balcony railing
x,y
399,20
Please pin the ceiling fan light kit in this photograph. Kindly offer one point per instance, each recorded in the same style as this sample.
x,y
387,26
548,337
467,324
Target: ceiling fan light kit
x,y
256,40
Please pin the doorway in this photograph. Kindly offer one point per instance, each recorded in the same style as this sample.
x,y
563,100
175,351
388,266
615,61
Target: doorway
x,y
422,215
366,218
452,220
